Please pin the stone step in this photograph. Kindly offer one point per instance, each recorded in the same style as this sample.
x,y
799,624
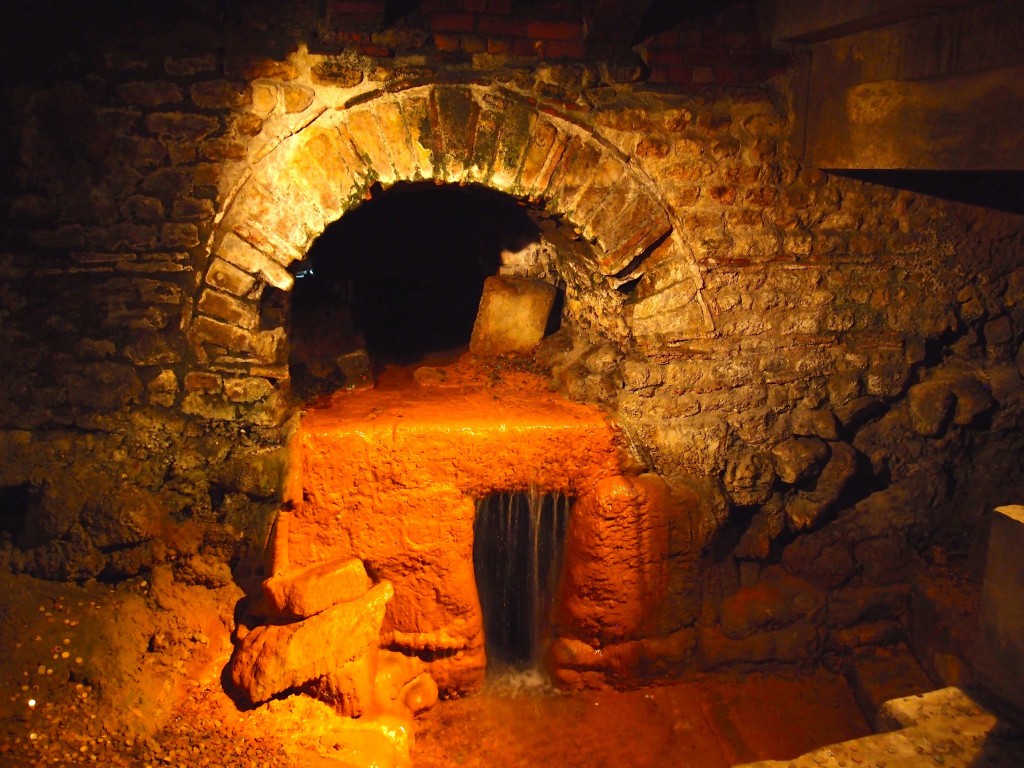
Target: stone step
x,y
884,676
947,727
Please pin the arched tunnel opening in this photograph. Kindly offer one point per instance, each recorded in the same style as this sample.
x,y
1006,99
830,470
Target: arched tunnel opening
x,y
399,278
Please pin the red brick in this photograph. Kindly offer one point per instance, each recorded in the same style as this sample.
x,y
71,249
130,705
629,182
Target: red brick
x,y
447,43
499,6
500,25
725,76
499,47
357,20
473,44
704,58
667,58
748,59
703,75
659,74
735,39
375,51
554,30
357,6
714,38
475,6
522,47
751,75
560,49
556,9
452,22
354,38
680,74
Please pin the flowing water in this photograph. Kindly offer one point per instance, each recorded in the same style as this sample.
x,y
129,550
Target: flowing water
x,y
517,555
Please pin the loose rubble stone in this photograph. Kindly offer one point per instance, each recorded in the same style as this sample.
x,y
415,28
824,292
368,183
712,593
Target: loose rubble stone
x,y
799,458
315,589
335,646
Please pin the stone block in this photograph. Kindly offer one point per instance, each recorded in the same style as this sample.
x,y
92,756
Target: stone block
x,y
456,114
749,477
542,140
226,307
153,93
799,458
815,423
641,226
316,165
922,708
182,126
297,98
260,218
877,679
396,137
229,277
512,316
368,137
220,94
972,400
486,139
313,590
247,389
355,367
999,659
511,146
244,256
275,658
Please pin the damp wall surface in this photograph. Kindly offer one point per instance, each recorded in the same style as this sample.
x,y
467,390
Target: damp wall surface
x,y
831,367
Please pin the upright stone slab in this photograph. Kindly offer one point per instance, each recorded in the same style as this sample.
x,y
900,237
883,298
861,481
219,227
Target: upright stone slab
x,y
512,316
1000,658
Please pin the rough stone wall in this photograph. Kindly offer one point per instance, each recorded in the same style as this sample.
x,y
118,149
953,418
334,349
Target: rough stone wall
x,y
832,366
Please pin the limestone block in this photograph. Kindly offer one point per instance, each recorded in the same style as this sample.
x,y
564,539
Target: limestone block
x,y
803,511
922,708
275,658
749,477
402,681
799,458
355,367
999,661
806,508
972,400
860,411
512,316
312,590
931,406
229,278
815,423
878,679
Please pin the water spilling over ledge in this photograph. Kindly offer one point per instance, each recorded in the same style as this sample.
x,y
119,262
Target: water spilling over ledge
x,y
518,541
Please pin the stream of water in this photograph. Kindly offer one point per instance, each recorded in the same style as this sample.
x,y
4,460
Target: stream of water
x,y
518,544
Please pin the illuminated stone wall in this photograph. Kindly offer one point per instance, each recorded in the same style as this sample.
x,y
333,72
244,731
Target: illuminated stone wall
x,y
832,367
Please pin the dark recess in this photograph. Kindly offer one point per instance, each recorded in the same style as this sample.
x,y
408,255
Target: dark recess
x,y
403,273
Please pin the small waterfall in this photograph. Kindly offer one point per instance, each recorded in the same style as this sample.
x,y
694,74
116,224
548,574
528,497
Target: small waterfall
x,y
518,540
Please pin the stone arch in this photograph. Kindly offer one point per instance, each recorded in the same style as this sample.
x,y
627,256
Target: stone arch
x,y
450,134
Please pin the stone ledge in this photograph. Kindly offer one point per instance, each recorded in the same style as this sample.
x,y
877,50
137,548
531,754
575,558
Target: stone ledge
x,y
944,727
